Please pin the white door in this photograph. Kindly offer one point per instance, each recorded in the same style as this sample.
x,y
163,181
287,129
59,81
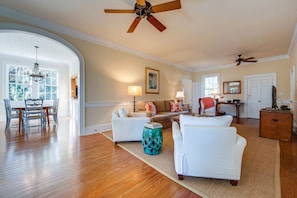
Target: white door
x,y
196,95
259,94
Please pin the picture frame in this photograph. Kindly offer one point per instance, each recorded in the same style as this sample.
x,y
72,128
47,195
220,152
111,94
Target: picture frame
x,y
232,87
152,81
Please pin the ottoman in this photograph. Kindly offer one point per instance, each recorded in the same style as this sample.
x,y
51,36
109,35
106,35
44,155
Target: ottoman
x,y
152,138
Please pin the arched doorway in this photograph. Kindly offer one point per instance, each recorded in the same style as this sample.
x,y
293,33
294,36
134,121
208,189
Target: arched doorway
x,y
81,71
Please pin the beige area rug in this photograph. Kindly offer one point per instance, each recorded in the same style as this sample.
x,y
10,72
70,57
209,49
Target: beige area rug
x,y
259,174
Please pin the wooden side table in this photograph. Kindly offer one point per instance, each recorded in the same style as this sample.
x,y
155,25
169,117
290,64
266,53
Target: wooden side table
x,y
276,124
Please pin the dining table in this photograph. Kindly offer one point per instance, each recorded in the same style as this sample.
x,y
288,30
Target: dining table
x,y
20,109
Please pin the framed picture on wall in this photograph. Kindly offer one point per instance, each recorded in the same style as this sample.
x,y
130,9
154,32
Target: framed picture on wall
x,y
152,81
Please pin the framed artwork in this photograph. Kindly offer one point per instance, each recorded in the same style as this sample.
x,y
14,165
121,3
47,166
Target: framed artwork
x,y
152,81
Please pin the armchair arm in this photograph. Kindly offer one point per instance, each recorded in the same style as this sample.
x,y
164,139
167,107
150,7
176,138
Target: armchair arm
x,y
128,128
178,148
240,145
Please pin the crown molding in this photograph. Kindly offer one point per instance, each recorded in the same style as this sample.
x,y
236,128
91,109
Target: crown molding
x,y
12,14
293,41
262,60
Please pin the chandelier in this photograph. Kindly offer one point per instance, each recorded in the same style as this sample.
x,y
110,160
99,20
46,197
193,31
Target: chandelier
x,y
36,74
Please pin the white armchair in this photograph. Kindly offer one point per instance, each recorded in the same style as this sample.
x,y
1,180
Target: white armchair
x,y
202,150
125,128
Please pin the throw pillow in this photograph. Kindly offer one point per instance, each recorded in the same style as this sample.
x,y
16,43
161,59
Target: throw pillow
x,y
175,106
149,106
122,113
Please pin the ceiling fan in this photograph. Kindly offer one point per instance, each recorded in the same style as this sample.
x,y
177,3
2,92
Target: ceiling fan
x,y
239,60
144,9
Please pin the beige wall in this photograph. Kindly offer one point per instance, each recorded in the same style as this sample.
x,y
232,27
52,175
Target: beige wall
x,y
280,67
108,72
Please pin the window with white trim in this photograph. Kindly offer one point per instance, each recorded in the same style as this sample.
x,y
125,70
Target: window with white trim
x,y
20,86
211,85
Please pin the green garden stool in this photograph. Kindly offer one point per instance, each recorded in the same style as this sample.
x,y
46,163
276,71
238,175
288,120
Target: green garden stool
x,y
152,138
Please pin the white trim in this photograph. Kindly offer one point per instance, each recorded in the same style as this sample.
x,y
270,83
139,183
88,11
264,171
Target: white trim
x,y
107,104
98,129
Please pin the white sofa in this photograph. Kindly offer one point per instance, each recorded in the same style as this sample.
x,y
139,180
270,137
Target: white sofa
x,y
207,147
127,128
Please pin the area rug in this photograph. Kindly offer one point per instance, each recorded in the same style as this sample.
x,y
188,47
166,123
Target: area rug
x,y
259,173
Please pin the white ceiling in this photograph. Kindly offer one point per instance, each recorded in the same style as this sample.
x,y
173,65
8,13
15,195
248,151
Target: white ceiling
x,y
22,44
202,34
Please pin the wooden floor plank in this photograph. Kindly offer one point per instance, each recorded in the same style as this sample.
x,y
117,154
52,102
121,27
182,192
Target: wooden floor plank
x,y
58,163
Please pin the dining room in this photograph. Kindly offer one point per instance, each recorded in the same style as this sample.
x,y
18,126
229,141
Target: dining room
x,y
34,67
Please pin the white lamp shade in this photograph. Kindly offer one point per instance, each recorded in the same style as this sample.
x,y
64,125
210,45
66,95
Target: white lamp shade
x,y
134,90
180,94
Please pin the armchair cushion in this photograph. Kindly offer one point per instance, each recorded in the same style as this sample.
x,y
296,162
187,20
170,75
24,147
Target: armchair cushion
x,y
205,121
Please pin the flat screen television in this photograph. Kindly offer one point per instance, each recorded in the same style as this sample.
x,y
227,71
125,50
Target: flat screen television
x,y
274,104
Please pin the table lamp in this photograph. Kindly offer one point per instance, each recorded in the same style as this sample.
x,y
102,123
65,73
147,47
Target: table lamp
x,y
134,91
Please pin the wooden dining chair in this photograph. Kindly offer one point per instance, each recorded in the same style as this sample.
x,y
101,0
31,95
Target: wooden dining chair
x,y
34,111
209,106
53,111
10,114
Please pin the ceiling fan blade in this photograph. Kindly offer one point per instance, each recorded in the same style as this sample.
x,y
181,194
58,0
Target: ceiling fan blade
x,y
238,63
141,2
156,23
250,58
254,61
172,5
134,25
118,11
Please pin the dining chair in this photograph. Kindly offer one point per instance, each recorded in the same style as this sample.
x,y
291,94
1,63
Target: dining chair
x,y
209,107
34,111
53,111
10,114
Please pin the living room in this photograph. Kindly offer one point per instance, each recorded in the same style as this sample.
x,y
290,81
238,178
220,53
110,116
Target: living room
x,y
110,70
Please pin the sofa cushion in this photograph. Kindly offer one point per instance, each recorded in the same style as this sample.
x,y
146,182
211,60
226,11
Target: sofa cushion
x,y
160,105
167,105
205,121
140,105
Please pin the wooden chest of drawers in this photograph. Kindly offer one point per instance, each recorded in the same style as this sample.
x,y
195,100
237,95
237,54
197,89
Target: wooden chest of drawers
x,y
276,124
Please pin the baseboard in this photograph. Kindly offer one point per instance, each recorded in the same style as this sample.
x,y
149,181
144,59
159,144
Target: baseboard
x,y
97,129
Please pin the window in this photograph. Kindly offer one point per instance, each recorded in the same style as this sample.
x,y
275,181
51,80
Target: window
x,y
211,85
21,86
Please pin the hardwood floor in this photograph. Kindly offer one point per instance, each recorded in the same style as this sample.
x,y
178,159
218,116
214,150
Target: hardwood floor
x,y
58,163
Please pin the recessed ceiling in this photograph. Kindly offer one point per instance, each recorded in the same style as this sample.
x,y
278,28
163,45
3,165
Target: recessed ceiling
x,y
202,34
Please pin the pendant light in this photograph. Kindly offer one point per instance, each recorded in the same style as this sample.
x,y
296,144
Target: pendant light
x,y
36,74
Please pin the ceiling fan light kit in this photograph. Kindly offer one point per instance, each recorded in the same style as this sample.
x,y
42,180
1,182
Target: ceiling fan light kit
x,y
144,9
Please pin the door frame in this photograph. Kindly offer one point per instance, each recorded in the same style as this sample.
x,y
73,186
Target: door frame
x,y
273,75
